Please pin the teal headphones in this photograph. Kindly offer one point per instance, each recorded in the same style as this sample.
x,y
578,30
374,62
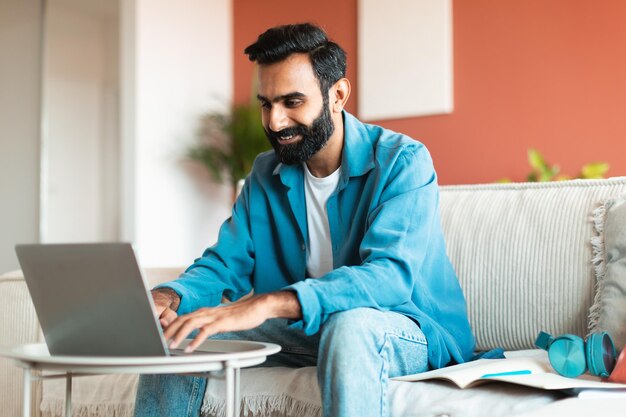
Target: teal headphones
x,y
570,356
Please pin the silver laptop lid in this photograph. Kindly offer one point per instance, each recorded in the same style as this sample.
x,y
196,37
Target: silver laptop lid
x,y
91,299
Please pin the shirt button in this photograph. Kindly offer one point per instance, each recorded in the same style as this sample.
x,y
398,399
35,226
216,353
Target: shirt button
x,y
303,247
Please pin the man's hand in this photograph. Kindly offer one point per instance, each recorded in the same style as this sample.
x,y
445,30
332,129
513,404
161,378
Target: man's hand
x,y
166,302
242,315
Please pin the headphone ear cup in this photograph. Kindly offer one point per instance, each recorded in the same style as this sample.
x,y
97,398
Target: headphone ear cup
x,y
600,353
567,356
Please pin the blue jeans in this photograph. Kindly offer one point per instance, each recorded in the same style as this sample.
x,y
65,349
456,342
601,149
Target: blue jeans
x,y
356,353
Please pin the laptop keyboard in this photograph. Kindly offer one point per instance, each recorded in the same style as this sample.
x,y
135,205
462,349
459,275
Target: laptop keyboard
x,y
181,352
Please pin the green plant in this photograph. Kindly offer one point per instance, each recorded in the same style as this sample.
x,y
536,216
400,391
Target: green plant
x,y
542,171
229,143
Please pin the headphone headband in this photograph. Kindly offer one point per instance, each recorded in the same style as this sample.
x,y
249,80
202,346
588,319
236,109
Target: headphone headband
x,y
544,340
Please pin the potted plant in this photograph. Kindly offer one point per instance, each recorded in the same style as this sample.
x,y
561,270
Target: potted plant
x,y
542,171
229,143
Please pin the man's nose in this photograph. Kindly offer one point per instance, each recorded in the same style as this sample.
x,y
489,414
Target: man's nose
x,y
278,119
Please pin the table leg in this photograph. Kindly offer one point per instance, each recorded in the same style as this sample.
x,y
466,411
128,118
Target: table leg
x,y
68,395
229,380
26,393
237,392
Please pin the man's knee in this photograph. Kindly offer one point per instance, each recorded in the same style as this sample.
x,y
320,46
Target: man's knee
x,y
353,326
368,327
362,317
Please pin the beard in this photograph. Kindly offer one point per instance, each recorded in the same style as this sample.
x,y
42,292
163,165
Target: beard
x,y
313,138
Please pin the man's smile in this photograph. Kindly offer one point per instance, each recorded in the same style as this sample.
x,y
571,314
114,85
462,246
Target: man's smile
x,y
287,139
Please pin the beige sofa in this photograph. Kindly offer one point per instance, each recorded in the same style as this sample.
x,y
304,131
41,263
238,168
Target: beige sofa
x,y
530,257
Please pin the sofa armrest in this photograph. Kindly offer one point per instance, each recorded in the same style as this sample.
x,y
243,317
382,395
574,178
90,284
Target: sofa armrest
x,y
18,324
18,320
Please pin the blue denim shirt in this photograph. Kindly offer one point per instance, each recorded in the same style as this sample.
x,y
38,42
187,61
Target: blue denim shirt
x,y
388,247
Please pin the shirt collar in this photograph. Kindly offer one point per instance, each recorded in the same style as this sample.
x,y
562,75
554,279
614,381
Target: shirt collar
x,y
358,149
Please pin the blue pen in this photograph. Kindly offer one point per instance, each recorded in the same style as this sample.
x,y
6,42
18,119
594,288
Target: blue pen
x,y
523,372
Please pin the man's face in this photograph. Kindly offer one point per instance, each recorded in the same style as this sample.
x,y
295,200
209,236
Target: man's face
x,y
296,116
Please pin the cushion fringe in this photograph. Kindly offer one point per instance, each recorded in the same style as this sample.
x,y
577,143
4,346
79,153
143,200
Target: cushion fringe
x,y
55,408
264,405
598,261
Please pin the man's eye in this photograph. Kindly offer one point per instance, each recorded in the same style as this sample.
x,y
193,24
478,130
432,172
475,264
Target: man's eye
x,y
292,103
265,104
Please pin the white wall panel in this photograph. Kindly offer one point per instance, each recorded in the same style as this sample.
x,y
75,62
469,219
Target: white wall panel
x,y
182,68
20,115
81,135
404,58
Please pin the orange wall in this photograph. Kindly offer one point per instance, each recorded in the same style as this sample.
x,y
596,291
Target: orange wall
x,y
533,73
253,17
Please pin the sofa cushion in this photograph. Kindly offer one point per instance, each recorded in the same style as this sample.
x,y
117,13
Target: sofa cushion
x,y
523,256
608,312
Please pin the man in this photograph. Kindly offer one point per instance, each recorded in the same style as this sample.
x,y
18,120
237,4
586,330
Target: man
x,y
337,231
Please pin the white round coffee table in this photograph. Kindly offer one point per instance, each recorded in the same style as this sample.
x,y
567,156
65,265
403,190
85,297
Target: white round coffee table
x,y
217,356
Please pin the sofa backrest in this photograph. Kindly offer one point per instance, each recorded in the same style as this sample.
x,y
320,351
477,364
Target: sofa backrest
x,y
523,256
522,253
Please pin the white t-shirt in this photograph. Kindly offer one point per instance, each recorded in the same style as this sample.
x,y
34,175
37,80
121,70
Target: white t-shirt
x,y
319,255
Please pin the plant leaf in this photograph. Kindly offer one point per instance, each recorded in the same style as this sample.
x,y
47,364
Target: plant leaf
x,y
537,161
594,170
541,170
229,143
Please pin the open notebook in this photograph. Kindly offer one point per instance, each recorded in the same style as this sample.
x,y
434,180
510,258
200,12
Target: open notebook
x,y
529,368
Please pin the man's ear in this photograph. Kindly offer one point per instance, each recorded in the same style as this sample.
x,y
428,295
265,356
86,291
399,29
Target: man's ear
x,y
339,94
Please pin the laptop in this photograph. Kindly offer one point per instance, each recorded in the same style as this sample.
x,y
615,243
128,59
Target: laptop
x,y
91,299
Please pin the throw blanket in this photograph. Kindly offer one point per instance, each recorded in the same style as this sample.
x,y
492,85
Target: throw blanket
x,y
102,395
260,388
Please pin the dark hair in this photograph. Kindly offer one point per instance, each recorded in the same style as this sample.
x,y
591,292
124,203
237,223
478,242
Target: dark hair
x,y
276,44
